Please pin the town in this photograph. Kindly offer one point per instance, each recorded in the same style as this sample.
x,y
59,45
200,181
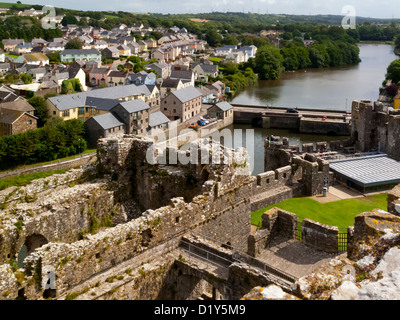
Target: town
x,y
97,218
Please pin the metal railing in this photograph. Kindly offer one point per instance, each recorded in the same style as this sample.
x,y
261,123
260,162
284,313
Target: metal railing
x,y
239,256
205,255
342,242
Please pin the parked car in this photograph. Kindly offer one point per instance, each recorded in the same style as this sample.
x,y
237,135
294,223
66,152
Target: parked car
x,y
201,122
193,125
205,120
291,110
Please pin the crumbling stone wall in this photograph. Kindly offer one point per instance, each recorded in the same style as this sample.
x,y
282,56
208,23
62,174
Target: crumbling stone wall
x,y
393,201
57,208
222,204
374,127
319,236
275,222
306,170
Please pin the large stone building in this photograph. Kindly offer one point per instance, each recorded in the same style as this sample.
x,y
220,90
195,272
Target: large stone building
x,y
16,117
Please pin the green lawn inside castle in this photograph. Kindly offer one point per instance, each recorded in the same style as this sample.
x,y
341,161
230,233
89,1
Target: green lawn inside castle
x,y
340,213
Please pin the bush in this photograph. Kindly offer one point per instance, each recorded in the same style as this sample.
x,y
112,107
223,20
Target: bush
x,y
57,139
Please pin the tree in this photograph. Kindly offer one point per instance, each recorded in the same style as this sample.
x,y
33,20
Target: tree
x,y
269,63
39,104
230,40
393,71
69,19
26,78
54,57
392,90
213,38
75,43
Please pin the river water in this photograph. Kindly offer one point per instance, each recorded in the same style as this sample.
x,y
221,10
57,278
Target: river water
x,y
328,89
331,88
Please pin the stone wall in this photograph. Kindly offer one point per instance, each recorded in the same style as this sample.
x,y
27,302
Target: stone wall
x,y
55,216
374,127
275,222
306,169
393,200
222,203
319,236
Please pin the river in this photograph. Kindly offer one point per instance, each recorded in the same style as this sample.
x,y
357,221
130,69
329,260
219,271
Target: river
x,y
328,89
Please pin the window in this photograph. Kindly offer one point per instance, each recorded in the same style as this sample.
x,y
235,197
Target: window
x,y
66,113
174,110
81,110
29,121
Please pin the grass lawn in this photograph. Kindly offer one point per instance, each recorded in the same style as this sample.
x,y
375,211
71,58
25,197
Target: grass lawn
x,y
11,55
27,178
215,59
338,213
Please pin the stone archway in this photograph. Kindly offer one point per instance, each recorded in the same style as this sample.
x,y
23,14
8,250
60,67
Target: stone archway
x,y
32,242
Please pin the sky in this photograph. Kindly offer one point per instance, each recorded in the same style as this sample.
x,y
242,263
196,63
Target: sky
x,y
365,8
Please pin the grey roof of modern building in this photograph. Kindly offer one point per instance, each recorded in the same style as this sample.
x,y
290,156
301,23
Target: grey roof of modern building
x,y
69,101
101,103
108,121
368,171
170,83
112,49
134,105
210,68
187,94
181,74
157,118
79,51
224,106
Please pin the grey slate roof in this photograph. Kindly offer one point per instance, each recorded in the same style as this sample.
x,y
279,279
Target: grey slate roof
x,y
157,118
368,171
101,103
79,51
209,68
75,100
181,74
134,105
107,121
187,94
224,106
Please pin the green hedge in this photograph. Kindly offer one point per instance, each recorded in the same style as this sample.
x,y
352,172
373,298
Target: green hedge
x,y
57,139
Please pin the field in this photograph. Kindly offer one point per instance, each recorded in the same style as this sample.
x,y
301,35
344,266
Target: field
x,y
9,4
339,213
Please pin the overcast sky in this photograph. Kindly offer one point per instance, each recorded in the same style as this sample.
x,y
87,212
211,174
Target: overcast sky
x,y
364,8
